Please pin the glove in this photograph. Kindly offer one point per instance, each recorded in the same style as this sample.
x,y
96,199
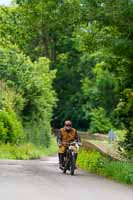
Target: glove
x,y
59,145
79,143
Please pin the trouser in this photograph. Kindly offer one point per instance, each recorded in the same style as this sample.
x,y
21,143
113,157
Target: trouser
x,y
61,158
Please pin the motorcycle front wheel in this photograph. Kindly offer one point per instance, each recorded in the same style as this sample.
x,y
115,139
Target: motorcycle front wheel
x,y
72,164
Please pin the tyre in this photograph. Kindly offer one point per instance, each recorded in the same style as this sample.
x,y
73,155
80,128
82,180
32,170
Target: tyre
x,y
64,171
72,164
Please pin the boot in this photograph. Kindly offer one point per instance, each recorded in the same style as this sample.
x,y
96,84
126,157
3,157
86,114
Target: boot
x,y
61,160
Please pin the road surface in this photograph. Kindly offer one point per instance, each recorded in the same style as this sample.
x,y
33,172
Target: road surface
x,y
42,180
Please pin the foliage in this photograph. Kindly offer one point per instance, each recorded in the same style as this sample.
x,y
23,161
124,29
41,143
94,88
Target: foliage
x,y
125,112
94,66
124,175
89,43
10,128
99,121
23,152
46,30
26,151
34,98
94,162
10,99
91,161
120,134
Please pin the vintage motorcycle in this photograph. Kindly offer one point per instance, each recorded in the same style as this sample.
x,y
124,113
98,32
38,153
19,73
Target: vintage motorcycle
x,y
70,157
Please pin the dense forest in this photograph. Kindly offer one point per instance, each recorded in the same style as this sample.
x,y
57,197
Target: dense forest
x,y
66,59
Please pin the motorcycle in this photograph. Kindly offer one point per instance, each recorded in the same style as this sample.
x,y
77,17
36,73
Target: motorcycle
x,y
70,157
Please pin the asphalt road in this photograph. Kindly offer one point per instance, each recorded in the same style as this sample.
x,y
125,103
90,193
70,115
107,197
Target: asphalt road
x,y
42,180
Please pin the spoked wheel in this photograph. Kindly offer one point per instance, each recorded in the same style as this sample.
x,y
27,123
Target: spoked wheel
x,y
72,164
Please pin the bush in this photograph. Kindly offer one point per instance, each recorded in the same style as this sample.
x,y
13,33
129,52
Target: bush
x,y
99,121
10,128
94,162
26,151
90,160
120,134
22,152
11,104
34,98
124,111
120,171
38,134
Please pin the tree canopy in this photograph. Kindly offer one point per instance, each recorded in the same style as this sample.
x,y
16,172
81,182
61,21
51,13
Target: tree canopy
x,y
90,46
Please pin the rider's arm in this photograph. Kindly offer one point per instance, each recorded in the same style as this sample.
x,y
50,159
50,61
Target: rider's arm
x,y
78,138
59,137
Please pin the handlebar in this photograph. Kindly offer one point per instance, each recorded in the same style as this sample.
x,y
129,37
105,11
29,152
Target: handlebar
x,y
72,143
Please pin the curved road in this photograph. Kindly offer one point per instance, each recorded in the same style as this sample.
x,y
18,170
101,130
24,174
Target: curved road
x,y
41,180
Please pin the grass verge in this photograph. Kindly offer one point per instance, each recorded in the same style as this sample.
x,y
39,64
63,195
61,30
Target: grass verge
x,y
26,151
94,162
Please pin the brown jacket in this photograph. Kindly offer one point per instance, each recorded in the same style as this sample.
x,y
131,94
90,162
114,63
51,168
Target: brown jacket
x,y
67,136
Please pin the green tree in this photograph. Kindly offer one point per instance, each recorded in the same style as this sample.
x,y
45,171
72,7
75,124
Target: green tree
x,y
11,130
89,43
33,83
124,111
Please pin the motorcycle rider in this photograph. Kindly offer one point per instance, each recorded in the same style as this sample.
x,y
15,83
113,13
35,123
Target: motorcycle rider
x,y
65,135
